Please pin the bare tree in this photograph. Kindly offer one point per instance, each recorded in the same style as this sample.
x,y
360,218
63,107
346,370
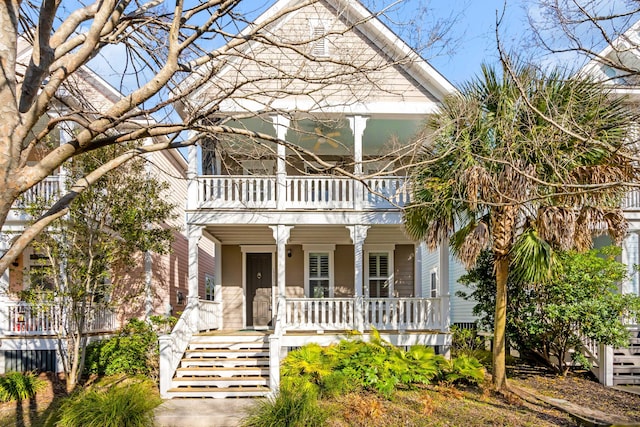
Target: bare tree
x,y
590,30
162,54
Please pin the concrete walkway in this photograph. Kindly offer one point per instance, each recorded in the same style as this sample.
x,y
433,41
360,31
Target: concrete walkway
x,y
203,412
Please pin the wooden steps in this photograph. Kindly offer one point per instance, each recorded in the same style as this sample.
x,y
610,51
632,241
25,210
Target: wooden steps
x,y
626,361
223,366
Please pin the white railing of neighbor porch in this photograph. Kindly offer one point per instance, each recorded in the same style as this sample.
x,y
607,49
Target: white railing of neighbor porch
x,y
632,199
364,313
44,190
21,318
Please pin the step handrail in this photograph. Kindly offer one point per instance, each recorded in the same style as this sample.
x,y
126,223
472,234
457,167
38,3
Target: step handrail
x,y
275,347
173,345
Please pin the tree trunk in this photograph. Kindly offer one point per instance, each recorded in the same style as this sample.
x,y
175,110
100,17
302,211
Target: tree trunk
x,y
499,338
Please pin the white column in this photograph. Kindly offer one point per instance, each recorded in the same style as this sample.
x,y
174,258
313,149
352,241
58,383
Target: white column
x,y
281,234
630,257
281,124
217,273
358,124
148,294
194,233
605,362
417,271
444,285
192,176
66,135
358,235
5,243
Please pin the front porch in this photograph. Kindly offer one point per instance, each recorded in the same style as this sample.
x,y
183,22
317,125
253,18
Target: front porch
x,y
200,360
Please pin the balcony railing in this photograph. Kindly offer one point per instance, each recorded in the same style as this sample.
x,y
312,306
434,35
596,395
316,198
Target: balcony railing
x,y
21,318
383,314
302,192
45,190
632,200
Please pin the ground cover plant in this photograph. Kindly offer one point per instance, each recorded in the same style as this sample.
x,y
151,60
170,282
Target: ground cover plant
x,y
376,365
19,386
126,403
313,373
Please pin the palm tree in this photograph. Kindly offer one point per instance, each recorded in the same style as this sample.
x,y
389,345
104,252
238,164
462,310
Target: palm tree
x,y
522,163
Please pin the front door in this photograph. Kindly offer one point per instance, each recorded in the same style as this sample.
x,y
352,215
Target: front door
x,y
258,289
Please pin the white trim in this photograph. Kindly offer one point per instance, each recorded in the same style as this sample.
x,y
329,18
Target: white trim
x,y
434,292
328,249
388,108
389,249
256,249
210,285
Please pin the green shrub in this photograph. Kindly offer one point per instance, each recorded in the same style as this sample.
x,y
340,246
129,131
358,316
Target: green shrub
x,y
295,405
467,342
376,365
122,405
19,386
464,369
134,351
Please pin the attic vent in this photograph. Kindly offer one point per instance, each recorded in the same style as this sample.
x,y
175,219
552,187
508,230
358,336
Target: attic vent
x,y
319,45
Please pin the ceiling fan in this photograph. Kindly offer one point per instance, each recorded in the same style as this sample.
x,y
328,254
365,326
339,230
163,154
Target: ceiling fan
x,y
322,138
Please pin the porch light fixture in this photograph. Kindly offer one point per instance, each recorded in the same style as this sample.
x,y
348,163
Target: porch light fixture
x,y
289,253
180,298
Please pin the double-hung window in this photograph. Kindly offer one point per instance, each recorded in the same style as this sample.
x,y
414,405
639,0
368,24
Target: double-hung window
x,y
319,271
379,272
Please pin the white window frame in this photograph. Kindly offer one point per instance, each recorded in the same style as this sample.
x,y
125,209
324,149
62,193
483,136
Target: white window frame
x,y
210,287
319,46
434,282
376,249
329,250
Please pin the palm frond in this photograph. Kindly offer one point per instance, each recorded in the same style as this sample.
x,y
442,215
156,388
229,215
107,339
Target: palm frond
x,y
532,258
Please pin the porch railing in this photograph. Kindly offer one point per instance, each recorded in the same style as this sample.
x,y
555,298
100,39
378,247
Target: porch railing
x,y
301,192
21,318
364,313
319,192
238,191
632,200
44,190
209,315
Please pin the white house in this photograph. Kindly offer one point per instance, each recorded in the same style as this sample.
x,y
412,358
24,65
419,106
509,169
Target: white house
x,y
308,232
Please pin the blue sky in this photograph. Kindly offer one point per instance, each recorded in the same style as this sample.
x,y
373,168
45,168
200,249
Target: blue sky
x,y
475,31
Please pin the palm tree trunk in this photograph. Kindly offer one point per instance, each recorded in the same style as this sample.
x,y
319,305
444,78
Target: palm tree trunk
x,y
499,339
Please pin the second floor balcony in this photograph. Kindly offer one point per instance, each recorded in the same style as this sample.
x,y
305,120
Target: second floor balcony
x,y
301,192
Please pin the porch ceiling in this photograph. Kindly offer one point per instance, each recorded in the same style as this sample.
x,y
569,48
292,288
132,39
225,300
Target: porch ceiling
x,y
304,234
